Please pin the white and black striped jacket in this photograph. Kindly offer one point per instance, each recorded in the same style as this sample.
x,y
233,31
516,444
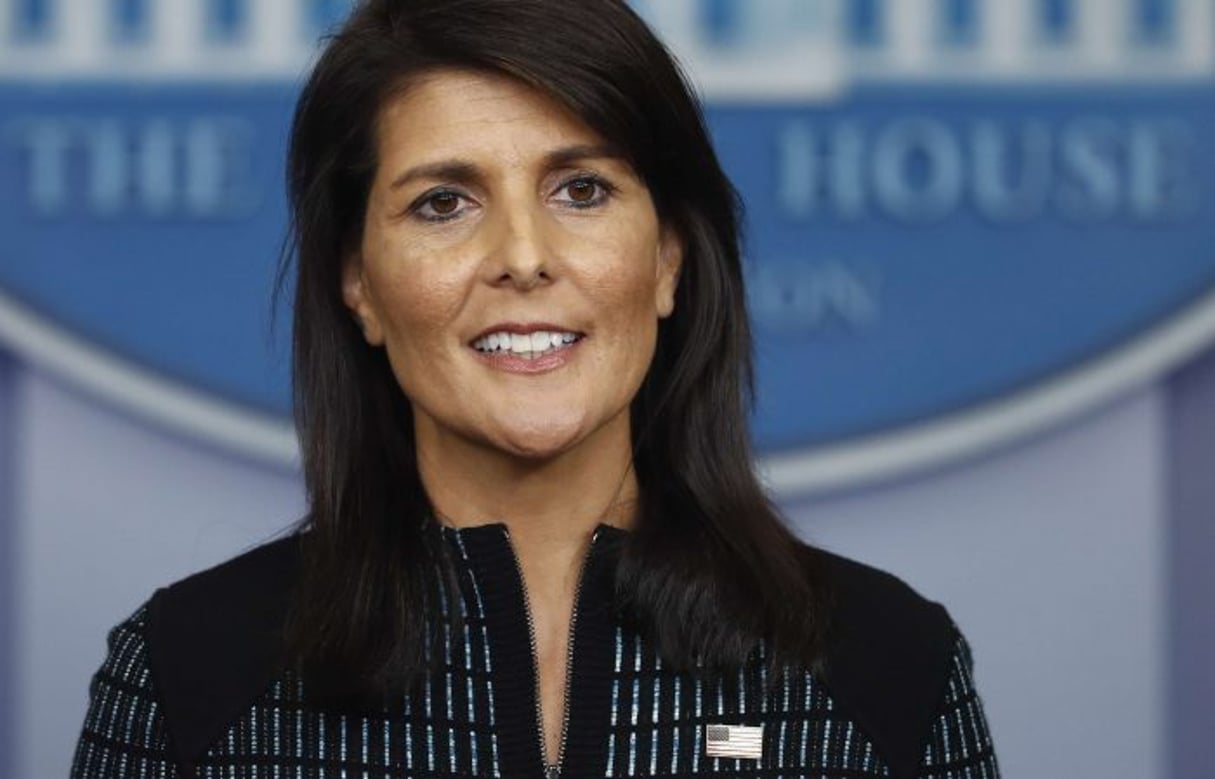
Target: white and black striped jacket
x,y
192,688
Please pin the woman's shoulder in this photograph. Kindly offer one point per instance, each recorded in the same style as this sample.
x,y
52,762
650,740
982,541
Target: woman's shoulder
x,y
864,599
186,661
269,566
216,636
892,654
876,606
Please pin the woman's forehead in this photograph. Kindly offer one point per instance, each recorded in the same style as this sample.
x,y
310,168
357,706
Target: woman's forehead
x,y
464,113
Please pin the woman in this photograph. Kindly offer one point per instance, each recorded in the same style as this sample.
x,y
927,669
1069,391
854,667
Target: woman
x,y
536,545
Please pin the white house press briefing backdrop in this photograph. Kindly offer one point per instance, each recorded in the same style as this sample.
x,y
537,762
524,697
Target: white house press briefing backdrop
x,y
980,250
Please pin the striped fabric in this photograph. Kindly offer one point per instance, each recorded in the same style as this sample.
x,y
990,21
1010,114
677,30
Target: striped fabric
x,y
660,721
959,739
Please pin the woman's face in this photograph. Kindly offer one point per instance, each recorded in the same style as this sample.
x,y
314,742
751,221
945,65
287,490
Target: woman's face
x,y
513,267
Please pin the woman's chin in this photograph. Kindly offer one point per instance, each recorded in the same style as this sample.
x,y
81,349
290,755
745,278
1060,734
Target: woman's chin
x,y
533,434
538,443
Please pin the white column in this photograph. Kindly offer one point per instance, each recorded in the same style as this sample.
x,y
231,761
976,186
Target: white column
x,y
8,59
910,27
81,34
1196,36
6,29
1006,38
1103,33
177,30
276,30
674,20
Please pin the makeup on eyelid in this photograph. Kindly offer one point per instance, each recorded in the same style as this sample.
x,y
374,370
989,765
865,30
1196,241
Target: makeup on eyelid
x,y
601,188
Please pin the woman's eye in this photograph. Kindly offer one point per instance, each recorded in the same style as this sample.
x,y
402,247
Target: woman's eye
x,y
582,191
444,203
585,191
439,206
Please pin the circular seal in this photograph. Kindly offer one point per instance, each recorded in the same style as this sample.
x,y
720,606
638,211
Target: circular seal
x,y
951,243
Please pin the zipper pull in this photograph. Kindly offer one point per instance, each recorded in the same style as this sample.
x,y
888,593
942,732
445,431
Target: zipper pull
x,y
552,771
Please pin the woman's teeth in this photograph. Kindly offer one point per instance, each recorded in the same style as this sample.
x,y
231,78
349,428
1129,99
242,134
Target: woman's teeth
x,y
528,346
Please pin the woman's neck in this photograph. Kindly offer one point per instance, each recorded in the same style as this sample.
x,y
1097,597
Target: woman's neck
x,y
553,501
551,507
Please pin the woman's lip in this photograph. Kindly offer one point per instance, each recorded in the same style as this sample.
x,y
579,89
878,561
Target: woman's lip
x,y
521,328
511,363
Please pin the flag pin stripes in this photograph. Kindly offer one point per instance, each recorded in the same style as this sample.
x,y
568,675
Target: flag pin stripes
x,y
745,741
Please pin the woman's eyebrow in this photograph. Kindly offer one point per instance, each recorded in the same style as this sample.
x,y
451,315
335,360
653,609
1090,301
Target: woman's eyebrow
x,y
464,172
568,155
457,171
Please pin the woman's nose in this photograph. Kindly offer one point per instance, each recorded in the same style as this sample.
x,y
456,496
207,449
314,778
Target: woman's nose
x,y
520,253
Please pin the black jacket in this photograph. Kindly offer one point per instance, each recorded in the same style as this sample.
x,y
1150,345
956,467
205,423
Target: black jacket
x,y
193,687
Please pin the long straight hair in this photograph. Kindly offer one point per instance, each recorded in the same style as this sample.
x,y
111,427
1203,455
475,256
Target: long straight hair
x,y
710,570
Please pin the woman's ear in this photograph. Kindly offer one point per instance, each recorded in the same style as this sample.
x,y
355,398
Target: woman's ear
x,y
670,261
355,296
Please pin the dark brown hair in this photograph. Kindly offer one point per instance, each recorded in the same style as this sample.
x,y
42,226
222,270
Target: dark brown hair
x,y
710,569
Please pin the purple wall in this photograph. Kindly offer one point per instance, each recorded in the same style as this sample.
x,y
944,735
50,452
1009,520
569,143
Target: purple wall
x,y
8,576
1191,687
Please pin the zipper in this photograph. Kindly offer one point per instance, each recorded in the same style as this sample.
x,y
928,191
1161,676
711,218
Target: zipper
x,y
552,770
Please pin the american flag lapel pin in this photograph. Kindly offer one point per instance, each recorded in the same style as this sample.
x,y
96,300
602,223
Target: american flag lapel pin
x,y
745,741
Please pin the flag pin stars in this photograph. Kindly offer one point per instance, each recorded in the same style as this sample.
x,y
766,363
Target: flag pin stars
x,y
745,741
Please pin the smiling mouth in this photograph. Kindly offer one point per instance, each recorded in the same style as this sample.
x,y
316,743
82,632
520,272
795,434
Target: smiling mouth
x,y
527,346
